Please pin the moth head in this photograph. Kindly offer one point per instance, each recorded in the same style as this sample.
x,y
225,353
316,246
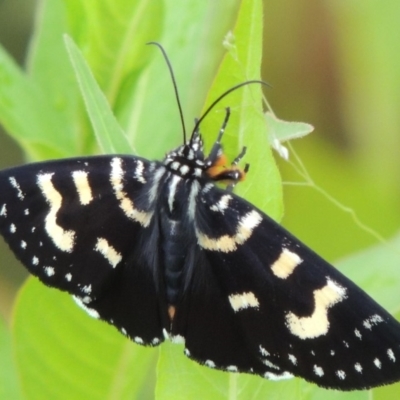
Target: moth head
x,y
218,168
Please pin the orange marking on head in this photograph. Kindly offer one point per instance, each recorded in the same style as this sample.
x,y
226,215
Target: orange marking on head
x,y
221,160
215,170
219,171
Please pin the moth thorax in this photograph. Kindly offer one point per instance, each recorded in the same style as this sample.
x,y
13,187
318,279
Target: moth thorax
x,y
185,167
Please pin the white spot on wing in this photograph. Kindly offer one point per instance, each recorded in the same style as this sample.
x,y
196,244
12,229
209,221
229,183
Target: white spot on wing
x,y
317,324
155,341
232,368
138,340
13,228
341,374
358,367
243,300
87,289
210,364
158,174
49,271
391,355
377,363
222,204
93,313
3,211
139,172
207,187
68,277
86,299
292,359
125,203
358,333
23,244
270,364
371,321
278,377
264,352
83,188
285,264
109,253
318,370
226,243
15,185
177,339
63,239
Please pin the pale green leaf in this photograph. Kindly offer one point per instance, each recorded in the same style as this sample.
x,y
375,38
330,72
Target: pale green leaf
x,y
286,130
9,382
281,131
27,115
109,134
246,126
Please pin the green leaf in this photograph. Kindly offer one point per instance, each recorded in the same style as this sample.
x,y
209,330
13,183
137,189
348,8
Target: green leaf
x,y
113,35
282,131
286,130
109,134
180,378
63,354
192,36
27,115
50,69
383,286
9,382
246,126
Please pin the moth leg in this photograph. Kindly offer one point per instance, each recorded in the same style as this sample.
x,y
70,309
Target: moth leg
x,y
216,150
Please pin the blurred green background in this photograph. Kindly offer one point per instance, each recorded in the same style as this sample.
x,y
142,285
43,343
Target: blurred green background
x,y
16,23
335,65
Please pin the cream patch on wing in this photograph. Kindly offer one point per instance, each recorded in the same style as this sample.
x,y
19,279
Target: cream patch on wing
x,y
227,243
243,300
317,324
83,188
285,264
126,204
62,238
109,253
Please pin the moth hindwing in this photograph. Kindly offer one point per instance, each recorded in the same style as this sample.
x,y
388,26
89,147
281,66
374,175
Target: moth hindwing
x,y
159,251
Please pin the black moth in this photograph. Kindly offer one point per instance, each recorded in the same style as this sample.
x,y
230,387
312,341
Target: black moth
x,y
159,251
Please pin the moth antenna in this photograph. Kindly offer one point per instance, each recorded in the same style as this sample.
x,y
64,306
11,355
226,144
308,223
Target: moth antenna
x,y
171,71
215,102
